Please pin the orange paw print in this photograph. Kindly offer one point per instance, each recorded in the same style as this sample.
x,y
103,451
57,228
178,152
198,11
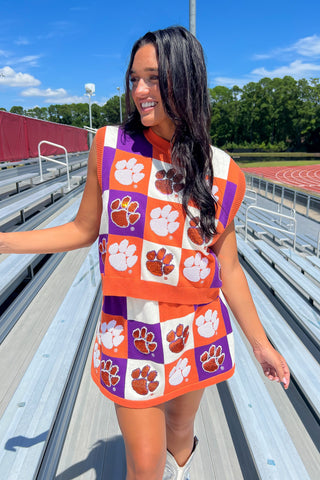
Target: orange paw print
x,y
195,233
169,182
103,249
143,340
143,380
159,263
109,373
123,212
212,359
177,339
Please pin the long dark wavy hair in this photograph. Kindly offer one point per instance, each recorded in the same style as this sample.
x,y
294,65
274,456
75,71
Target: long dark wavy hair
x,y
184,93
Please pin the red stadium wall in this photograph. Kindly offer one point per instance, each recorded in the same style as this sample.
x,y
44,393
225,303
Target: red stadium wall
x,y
19,137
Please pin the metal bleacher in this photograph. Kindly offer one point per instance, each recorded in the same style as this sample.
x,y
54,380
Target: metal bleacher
x,y
54,422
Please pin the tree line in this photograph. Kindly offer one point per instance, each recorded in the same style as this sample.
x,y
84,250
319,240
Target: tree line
x,y
273,114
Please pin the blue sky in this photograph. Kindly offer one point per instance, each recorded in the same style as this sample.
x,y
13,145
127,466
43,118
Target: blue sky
x,y
50,49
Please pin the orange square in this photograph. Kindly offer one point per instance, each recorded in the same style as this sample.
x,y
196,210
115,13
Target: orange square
x,y
164,222
197,269
123,256
208,324
113,333
170,311
130,172
181,372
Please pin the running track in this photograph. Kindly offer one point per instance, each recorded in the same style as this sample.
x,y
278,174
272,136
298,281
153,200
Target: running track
x,y
306,177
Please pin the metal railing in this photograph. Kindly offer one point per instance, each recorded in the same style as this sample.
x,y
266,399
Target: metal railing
x,y
251,195
307,204
268,225
318,245
66,163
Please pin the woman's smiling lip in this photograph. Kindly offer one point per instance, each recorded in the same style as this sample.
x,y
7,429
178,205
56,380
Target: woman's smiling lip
x,y
147,105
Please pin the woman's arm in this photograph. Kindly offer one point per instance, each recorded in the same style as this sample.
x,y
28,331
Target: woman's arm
x,y
81,232
236,291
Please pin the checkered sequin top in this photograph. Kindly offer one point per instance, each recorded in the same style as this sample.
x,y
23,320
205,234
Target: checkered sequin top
x,y
148,247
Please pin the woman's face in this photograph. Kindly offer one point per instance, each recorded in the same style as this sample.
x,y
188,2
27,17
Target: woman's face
x,y
146,92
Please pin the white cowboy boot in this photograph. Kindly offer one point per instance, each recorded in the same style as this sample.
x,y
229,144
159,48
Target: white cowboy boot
x,y
173,471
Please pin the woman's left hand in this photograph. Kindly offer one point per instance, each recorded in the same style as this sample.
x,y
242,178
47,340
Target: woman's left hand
x,y
273,364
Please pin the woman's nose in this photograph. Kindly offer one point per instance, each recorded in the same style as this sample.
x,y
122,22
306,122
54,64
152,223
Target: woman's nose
x,y
142,87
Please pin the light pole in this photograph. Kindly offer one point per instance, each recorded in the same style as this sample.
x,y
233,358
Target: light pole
x,y
192,17
90,89
118,88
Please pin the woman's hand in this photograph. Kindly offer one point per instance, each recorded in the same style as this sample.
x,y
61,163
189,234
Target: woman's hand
x,y
273,364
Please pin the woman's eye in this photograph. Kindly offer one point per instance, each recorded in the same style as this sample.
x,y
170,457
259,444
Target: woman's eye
x,y
133,80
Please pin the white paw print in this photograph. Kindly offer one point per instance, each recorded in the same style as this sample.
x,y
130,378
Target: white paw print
x,y
208,323
96,355
179,372
163,220
196,268
122,255
111,334
214,191
129,172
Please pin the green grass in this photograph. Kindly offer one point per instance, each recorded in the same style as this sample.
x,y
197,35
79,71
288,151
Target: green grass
x,y
275,154
277,163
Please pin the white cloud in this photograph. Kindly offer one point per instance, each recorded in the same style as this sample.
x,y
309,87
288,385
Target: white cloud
x,y
22,41
308,46
11,78
305,47
59,95
29,59
36,92
230,82
294,69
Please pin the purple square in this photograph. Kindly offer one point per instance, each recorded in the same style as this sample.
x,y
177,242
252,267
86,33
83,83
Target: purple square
x,y
120,215
107,160
113,374
228,198
226,318
103,240
115,306
145,350
207,368
136,144
216,281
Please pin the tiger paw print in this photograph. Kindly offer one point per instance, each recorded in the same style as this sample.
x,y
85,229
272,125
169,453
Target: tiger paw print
x,y
177,339
169,182
212,359
143,340
195,233
159,263
109,373
124,213
144,380
103,249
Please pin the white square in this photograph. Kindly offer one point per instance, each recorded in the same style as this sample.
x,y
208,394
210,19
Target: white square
x,y
142,383
159,265
154,192
192,233
170,326
111,137
144,311
104,224
221,162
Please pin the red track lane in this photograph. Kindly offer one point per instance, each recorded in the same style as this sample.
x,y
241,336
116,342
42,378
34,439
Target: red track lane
x,y
306,177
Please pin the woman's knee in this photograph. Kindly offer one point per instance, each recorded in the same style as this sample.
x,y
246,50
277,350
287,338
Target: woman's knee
x,y
146,464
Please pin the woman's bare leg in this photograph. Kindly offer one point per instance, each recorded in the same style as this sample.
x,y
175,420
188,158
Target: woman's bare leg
x,y
180,415
144,434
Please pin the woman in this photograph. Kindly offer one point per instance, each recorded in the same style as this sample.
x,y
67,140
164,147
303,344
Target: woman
x,y
167,248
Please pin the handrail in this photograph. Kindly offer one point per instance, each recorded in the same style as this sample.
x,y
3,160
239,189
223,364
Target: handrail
x,y
90,129
53,160
318,244
249,197
281,215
